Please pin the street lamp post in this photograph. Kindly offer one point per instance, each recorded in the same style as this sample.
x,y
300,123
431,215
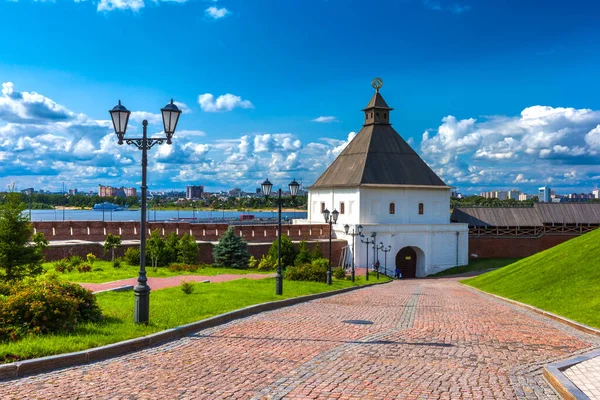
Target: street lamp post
x,y
358,233
368,242
385,251
120,118
330,218
376,259
266,189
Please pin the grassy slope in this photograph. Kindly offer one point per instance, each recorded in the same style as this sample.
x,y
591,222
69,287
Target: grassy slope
x,y
478,264
168,308
109,274
564,280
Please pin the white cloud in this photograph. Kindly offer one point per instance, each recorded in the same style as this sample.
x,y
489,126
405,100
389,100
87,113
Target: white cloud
x,y
226,102
325,120
216,13
110,5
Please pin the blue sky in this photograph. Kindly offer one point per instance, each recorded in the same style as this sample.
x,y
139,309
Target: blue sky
x,y
491,94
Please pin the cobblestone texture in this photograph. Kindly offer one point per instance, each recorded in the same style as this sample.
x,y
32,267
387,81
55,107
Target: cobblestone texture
x,y
429,339
586,376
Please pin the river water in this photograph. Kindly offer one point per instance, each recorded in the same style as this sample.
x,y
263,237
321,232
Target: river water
x,y
157,215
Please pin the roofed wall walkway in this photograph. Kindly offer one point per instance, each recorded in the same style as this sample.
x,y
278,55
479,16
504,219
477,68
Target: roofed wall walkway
x,y
428,339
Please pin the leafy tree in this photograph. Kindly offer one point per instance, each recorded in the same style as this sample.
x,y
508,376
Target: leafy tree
x,y
40,242
170,251
111,243
187,249
18,258
303,255
231,251
288,251
315,254
155,247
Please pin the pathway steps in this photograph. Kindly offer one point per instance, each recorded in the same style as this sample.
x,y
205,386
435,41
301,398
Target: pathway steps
x,y
429,339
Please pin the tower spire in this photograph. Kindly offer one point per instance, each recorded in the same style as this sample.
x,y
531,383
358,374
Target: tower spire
x,y
377,111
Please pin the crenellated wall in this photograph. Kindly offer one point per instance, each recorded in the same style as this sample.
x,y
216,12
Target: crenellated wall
x,y
96,231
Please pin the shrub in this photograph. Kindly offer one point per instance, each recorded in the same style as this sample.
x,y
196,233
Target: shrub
x,y
187,287
117,262
307,272
155,250
61,265
266,264
169,253
91,259
303,255
132,256
231,251
315,254
187,249
252,262
45,306
339,273
110,244
183,267
74,262
84,267
288,251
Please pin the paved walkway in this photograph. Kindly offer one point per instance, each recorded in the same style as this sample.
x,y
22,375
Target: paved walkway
x,y
161,283
586,376
428,339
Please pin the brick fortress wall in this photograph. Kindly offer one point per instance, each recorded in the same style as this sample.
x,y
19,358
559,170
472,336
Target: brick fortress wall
x,y
513,246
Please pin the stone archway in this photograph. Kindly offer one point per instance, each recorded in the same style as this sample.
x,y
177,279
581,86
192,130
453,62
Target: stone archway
x,y
406,259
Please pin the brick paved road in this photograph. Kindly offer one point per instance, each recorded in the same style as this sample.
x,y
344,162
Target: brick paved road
x,y
428,339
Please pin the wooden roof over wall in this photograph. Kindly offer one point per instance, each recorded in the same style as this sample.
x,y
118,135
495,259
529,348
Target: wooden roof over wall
x,y
538,215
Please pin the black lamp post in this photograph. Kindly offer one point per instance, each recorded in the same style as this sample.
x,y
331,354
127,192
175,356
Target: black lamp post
x,y
368,242
358,233
330,218
376,259
120,118
385,251
266,188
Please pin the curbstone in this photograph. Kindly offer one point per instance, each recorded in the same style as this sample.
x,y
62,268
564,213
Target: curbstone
x,y
50,363
117,289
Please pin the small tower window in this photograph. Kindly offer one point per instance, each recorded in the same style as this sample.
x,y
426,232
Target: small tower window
x,y
371,115
342,208
384,115
392,208
421,209
322,207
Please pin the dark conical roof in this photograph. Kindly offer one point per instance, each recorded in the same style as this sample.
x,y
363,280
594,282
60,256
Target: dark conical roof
x,y
378,156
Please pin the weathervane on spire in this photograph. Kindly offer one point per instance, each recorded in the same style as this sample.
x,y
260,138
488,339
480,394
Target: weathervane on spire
x,y
377,83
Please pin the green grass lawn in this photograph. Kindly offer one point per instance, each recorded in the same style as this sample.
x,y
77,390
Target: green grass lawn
x,y
564,280
109,274
168,308
478,264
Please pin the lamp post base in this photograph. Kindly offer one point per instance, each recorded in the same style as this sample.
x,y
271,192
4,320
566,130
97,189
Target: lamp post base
x,y
329,276
352,275
278,284
141,312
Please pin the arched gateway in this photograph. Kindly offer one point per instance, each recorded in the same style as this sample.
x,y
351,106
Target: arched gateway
x,y
406,259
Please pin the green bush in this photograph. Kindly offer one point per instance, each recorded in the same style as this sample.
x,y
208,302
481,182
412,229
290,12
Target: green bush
x,y
62,265
313,272
74,262
288,251
187,249
45,306
84,267
117,262
266,264
132,256
91,259
231,251
339,273
252,262
187,287
183,267
303,256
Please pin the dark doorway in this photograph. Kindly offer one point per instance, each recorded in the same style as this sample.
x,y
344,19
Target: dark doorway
x,y
406,259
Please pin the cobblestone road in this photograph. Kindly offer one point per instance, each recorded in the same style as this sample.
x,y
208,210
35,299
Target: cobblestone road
x,y
428,339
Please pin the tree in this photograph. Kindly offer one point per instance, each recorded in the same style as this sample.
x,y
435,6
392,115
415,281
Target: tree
x,y
288,251
170,252
315,254
155,247
40,242
18,258
187,249
303,256
231,251
111,243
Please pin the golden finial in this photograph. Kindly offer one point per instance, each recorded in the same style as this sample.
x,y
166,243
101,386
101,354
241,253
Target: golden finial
x,y
377,83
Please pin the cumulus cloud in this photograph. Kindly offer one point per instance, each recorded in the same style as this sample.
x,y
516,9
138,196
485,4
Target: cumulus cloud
x,y
225,102
216,13
325,120
494,150
110,5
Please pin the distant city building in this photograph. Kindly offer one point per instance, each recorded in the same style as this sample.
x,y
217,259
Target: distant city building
x,y
194,192
544,194
107,191
235,192
524,197
28,191
72,191
495,194
513,194
596,194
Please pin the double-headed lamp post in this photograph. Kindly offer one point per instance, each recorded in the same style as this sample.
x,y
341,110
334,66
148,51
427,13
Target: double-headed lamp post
x,y
120,118
266,188
330,218
354,233
368,242
385,251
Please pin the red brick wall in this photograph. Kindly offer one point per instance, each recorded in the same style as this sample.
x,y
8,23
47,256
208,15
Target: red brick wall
x,y
512,246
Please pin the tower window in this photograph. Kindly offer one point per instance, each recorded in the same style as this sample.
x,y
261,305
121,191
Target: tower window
x,y
342,208
322,207
384,115
371,115
421,209
392,208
